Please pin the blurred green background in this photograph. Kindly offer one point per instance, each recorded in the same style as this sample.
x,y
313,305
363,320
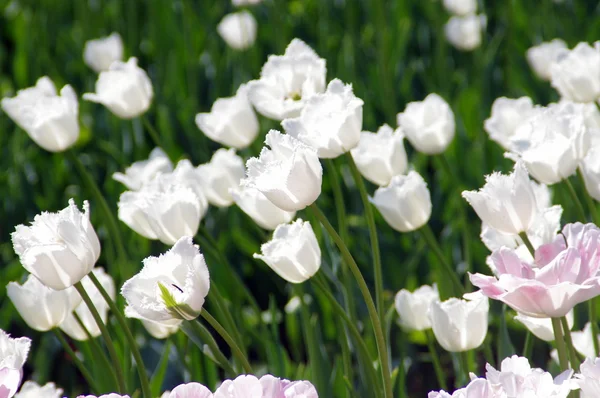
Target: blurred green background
x,y
393,52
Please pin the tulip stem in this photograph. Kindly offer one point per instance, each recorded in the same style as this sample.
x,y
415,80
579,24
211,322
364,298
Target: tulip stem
x,y
198,333
435,360
464,365
107,339
528,244
560,344
152,132
528,346
82,369
572,353
145,383
576,200
364,289
593,323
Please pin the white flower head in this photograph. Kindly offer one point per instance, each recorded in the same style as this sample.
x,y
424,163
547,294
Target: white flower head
x,y
259,208
461,7
239,3
507,114
224,172
413,308
576,75
31,389
464,32
144,171
542,327
100,53
544,55
13,354
238,29
158,330
588,380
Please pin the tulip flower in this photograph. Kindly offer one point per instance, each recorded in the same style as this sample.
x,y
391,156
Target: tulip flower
x,y
100,53
461,7
583,341
143,171
405,204
13,354
287,81
239,3
223,173
329,122
428,125
49,119
58,248
544,55
231,121
125,89
564,274
169,288
159,330
30,389
507,115
460,325
238,30
190,390
588,380
111,395
265,387
40,307
260,209
542,327
293,252
413,308
381,156
289,174
464,32
590,169
576,75
477,388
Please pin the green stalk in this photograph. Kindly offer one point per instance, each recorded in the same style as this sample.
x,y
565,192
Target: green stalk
x,y
464,365
578,205
439,373
527,242
200,336
560,344
364,289
82,369
152,132
528,346
572,352
228,318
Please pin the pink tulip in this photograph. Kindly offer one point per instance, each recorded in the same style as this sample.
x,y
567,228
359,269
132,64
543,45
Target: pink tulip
x,y
190,390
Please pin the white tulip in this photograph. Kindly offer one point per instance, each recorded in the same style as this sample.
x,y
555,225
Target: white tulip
x,y
544,55
293,252
542,327
381,156
507,115
460,325
31,389
13,354
239,3
169,288
158,330
49,119
464,32
125,89
58,248
224,172
231,121
287,81
144,171
576,75
413,308
260,209
461,7
70,325
100,53
405,203
588,380
583,341
40,307
238,30
590,169
289,174
428,124
330,122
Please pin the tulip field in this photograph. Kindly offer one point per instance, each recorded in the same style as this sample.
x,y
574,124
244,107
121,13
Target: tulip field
x,y
299,199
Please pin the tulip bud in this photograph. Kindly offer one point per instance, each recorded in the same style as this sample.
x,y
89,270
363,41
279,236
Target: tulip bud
x,y
405,204
590,168
541,327
293,252
381,156
507,115
159,330
428,124
50,120
329,122
460,325
31,389
576,75
461,7
58,248
464,33
238,30
100,53
224,172
169,288
260,209
288,173
413,308
231,121
13,354
144,171
544,55
125,89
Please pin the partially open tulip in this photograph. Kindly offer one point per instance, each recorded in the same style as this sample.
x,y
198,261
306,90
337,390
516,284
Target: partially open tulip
x,y
231,121
143,171
50,120
329,122
238,30
100,53
405,203
58,248
461,7
293,252
169,288
542,327
413,308
288,173
544,55
159,330
260,209
223,173
507,115
13,354
125,89
31,389
428,125
464,32
576,75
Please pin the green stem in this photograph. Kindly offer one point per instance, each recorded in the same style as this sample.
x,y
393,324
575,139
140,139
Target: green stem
x,y
439,373
364,289
145,383
82,369
528,244
560,344
528,346
200,336
572,352
593,323
576,200
464,365
152,132
229,321
107,339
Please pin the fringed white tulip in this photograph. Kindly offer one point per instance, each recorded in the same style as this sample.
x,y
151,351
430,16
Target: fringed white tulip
x,y
100,53
31,389
143,171
49,119
413,308
544,55
541,327
125,89
158,330
329,122
576,75
13,354
293,252
262,211
238,30
507,115
464,32
223,173
461,7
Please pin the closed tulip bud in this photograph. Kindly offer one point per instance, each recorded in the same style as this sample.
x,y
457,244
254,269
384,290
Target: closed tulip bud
x,y
40,307
158,330
231,121
405,204
100,53
238,30
590,168
223,173
464,33
576,75
461,7
329,122
288,173
381,156
542,327
169,288
260,209
58,248
507,115
460,325
13,354
428,124
31,389
413,308
544,55
49,119
293,252
143,171
125,89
